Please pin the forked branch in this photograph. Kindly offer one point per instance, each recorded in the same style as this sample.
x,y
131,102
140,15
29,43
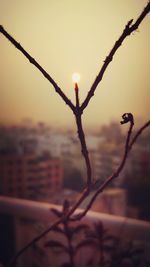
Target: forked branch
x,y
127,149
78,111
128,146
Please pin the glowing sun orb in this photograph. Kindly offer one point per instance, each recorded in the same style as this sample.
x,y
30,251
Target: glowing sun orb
x,y
76,77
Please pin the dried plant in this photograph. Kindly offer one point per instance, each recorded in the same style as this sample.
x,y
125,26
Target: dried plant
x,y
70,233
78,111
112,251
102,241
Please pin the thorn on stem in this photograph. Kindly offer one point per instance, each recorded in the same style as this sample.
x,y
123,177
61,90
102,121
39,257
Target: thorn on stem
x,y
130,22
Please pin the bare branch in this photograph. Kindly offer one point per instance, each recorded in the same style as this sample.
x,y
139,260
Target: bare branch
x,y
86,191
84,147
139,132
129,28
127,149
78,110
38,66
14,260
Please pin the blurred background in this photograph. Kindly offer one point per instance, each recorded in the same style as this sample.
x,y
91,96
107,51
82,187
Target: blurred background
x,y
40,154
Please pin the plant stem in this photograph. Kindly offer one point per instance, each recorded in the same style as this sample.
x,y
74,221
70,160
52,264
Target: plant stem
x,y
84,149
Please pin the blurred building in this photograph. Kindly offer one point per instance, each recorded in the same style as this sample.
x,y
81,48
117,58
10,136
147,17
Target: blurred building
x,y
30,176
105,160
111,201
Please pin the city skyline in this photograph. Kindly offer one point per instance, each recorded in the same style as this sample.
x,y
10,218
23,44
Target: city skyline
x,y
30,158
70,36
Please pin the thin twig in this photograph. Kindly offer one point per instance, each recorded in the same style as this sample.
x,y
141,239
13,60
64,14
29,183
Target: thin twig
x,y
78,110
129,28
38,66
84,149
81,135
14,260
127,149
139,132
86,192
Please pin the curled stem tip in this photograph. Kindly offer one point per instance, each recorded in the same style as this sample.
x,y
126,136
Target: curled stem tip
x,y
127,117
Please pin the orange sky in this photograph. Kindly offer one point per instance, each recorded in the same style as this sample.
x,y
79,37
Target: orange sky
x,y
67,36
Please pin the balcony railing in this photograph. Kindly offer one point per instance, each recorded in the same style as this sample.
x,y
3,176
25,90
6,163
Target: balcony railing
x,y
24,213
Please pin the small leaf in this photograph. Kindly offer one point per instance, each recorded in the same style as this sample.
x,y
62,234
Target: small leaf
x,y
38,249
58,229
57,212
80,228
86,243
75,230
56,244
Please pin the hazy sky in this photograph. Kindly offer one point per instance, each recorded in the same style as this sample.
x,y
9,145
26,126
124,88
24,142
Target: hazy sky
x,y
65,36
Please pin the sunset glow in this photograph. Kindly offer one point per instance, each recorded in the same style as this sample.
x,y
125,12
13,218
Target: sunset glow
x,y
76,77
62,44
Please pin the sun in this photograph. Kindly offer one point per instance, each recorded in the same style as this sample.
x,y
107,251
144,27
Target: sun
x,y
76,77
